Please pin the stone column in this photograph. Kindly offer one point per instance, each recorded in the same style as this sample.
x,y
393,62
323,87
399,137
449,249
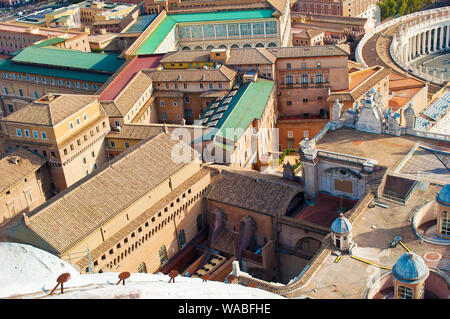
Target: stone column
x,y
447,41
429,41
413,53
418,44
441,41
435,40
424,34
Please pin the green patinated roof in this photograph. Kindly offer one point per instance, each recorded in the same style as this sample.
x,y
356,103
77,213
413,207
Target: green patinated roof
x,y
8,65
169,22
247,104
222,16
142,22
53,56
48,42
157,36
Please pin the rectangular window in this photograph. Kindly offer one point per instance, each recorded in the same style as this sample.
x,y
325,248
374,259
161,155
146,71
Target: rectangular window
x,y
20,92
184,32
221,30
164,115
233,29
208,31
161,103
127,145
77,120
36,95
27,133
44,135
271,27
112,144
246,28
5,89
18,132
196,31
71,125
258,28
35,134
84,117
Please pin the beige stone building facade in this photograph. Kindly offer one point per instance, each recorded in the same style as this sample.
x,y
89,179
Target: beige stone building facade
x,y
67,130
24,183
144,207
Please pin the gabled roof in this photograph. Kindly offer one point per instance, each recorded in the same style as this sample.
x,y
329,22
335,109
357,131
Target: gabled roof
x,y
248,189
12,173
125,100
192,75
51,113
311,51
238,109
72,59
78,211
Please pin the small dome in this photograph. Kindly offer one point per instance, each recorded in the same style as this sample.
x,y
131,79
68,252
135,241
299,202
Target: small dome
x,y
443,197
410,268
341,225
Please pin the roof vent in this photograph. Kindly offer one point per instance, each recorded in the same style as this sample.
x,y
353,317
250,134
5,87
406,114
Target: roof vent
x,y
15,160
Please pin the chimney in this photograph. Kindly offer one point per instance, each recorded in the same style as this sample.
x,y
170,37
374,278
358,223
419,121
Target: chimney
x,y
26,219
15,160
166,130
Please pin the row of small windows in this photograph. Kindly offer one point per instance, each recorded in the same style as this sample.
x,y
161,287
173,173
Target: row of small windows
x,y
233,46
185,86
78,121
28,134
304,79
52,81
85,137
163,251
212,31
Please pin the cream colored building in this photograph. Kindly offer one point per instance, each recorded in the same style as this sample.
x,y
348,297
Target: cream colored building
x,y
24,184
67,130
143,207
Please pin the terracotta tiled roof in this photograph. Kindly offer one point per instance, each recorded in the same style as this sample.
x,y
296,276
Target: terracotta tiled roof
x,y
42,112
143,131
310,51
12,173
252,190
168,94
81,209
308,34
238,56
128,96
191,75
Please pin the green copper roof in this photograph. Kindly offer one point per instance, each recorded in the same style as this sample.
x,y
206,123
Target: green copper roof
x,y
247,104
157,36
169,22
53,56
48,42
8,65
222,16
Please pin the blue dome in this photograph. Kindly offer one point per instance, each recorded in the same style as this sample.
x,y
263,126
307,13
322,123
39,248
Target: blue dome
x,y
341,225
443,197
410,268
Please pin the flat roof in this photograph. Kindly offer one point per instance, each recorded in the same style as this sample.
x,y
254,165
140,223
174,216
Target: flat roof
x,y
388,150
324,210
373,232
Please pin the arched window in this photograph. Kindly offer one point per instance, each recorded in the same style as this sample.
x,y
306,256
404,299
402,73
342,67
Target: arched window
x,y
198,48
163,255
259,45
247,45
445,223
234,46
272,45
405,292
209,47
142,268
181,238
222,46
186,48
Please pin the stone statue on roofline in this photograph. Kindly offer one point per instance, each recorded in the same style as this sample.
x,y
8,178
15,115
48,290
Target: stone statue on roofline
x,y
410,116
336,111
288,171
